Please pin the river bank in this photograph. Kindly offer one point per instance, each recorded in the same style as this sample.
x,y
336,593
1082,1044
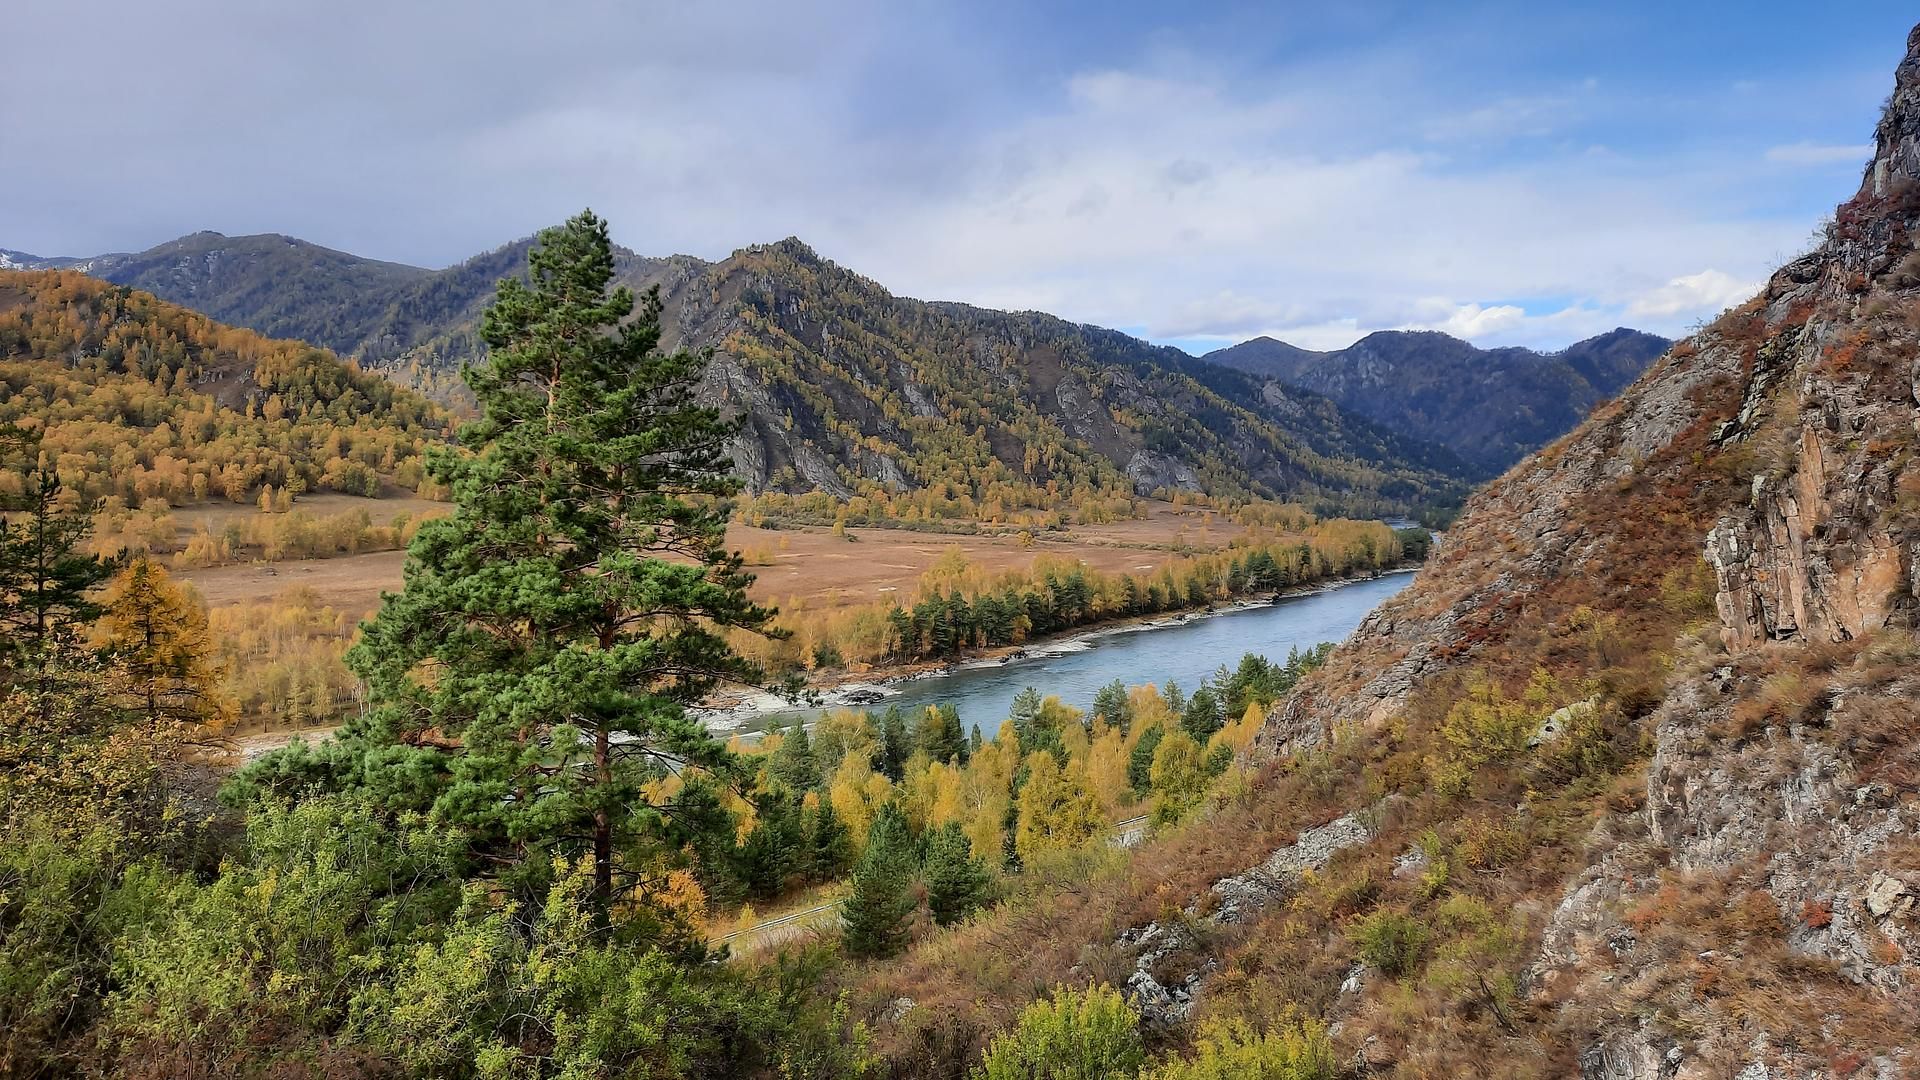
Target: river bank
x,y
750,714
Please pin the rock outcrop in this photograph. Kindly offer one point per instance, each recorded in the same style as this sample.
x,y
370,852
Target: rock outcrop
x,y
1770,465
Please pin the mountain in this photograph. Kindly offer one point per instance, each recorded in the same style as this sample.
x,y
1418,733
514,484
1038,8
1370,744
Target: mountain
x,y
277,285
1490,406
919,410
1624,784
138,398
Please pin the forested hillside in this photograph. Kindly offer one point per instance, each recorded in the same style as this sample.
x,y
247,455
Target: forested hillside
x,y
134,397
1490,406
915,411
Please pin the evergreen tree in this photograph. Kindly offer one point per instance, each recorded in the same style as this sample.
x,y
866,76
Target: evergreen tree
x,y
1110,704
792,762
874,918
957,882
1140,761
829,843
1175,698
577,600
45,579
1203,715
895,747
775,849
1025,713
939,734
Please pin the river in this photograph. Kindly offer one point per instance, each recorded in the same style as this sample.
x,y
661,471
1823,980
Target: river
x,y
1186,652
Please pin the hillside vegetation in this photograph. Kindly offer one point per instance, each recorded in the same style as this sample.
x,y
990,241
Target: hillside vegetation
x,y
1620,787
142,400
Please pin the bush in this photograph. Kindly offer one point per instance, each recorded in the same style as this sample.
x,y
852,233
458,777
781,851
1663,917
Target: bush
x,y
1391,942
1078,1035
1292,1050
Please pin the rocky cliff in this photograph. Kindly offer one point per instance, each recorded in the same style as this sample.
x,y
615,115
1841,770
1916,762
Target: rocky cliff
x,y
1744,903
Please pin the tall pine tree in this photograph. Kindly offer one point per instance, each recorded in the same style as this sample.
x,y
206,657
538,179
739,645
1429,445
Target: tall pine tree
x,y
957,883
536,671
874,919
45,578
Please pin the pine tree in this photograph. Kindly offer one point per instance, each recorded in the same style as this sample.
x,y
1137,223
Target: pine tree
x,y
957,883
940,734
874,919
895,747
578,599
1110,704
775,849
829,843
1140,760
1204,714
1024,713
792,762
45,579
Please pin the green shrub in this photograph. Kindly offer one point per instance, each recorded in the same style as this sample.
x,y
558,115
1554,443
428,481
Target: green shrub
x,y
1077,1035
1391,942
1292,1050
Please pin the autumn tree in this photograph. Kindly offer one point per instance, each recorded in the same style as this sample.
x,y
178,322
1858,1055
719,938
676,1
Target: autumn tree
x,y
1178,777
1058,810
534,674
158,656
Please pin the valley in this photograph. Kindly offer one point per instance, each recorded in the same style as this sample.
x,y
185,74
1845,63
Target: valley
x,y
572,663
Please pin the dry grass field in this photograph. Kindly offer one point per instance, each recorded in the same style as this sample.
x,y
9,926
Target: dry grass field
x,y
811,566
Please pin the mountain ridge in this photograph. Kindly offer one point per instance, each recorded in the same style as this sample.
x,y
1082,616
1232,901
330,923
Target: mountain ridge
x,y
1490,406
1089,424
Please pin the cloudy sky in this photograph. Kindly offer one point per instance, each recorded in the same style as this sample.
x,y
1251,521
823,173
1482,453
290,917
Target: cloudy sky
x,y
1197,174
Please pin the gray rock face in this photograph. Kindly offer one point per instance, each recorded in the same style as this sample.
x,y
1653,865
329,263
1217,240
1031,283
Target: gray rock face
x,y
1242,895
1151,471
1237,899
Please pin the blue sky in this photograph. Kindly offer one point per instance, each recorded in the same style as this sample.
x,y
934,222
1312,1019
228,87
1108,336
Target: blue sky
x,y
1194,173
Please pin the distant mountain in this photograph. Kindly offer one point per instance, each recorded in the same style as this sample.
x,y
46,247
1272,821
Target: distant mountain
x,y
919,409
1490,406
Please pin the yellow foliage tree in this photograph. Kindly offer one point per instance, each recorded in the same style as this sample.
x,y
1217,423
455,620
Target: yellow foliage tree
x,y
1058,811
159,657
1107,756
857,794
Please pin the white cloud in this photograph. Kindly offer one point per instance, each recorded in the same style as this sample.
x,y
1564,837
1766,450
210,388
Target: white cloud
x,y
1692,296
1183,195
1295,230
1806,153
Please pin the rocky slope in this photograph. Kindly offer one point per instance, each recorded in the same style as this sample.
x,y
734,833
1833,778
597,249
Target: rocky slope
x,y
1751,912
1490,406
1626,783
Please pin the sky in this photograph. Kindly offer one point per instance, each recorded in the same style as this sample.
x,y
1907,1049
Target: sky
x,y
1194,173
